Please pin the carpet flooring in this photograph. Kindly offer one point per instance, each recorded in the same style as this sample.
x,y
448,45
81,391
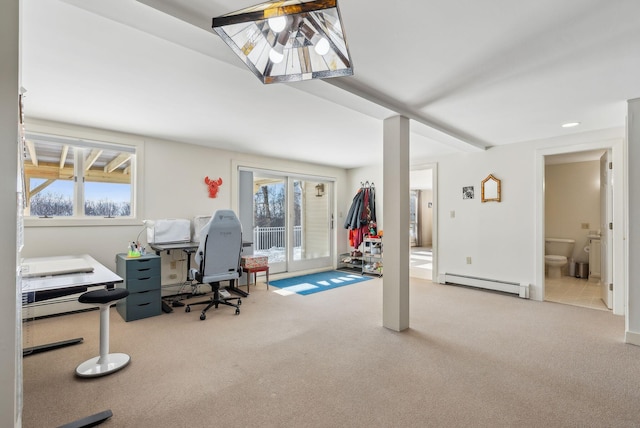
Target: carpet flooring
x,y
316,282
471,358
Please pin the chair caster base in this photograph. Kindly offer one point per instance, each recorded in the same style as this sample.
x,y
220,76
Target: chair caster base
x,y
112,363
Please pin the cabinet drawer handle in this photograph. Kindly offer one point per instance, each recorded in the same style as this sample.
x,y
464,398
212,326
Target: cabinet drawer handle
x,y
144,279
144,304
143,269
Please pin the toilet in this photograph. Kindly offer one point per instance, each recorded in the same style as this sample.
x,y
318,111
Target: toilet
x,y
557,253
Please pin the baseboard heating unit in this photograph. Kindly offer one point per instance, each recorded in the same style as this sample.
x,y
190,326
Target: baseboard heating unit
x,y
521,289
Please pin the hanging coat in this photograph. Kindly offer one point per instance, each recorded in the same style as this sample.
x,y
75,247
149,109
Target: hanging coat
x,y
361,213
354,211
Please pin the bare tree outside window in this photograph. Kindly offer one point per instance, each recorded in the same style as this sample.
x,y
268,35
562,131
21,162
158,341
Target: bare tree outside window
x,y
66,177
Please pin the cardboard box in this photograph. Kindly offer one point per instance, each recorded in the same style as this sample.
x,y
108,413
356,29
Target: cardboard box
x,y
254,261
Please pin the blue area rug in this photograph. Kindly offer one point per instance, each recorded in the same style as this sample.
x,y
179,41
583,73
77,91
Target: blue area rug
x,y
316,282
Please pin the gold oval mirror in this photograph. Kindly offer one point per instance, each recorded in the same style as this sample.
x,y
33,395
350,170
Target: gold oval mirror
x,y
490,187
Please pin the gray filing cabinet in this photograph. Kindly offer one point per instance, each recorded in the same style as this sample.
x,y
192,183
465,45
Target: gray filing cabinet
x,y
142,278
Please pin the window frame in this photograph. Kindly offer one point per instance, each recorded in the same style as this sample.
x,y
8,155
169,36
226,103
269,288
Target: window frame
x,y
79,139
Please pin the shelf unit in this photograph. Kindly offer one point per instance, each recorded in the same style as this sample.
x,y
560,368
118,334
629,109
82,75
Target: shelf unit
x,y
369,262
350,263
372,256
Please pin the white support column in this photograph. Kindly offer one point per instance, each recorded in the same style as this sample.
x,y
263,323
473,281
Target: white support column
x,y
633,160
395,295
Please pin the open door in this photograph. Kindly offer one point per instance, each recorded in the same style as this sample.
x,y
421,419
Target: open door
x,y
606,232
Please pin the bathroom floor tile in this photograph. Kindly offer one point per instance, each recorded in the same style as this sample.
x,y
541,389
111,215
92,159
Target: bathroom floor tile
x,y
574,291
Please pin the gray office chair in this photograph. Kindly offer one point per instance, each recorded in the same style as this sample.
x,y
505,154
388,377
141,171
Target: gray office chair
x,y
218,259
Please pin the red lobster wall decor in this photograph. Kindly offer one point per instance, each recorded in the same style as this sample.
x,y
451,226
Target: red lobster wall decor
x,y
213,186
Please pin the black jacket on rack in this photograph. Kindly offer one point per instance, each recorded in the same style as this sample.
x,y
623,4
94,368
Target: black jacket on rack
x,y
363,209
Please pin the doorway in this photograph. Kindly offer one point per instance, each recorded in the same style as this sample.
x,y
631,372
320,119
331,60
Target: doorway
x,y
578,203
291,219
422,229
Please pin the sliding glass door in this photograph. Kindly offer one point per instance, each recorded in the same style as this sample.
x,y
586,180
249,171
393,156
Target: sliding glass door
x,y
292,223
311,225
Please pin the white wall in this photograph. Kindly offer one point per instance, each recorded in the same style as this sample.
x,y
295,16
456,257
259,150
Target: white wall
x,y
10,343
173,177
498,236
504,240
633,159
572,198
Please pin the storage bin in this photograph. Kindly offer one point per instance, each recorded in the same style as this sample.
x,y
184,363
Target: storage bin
x,y
582,270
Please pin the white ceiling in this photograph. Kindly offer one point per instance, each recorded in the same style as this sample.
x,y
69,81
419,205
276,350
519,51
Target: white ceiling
x,y
470,74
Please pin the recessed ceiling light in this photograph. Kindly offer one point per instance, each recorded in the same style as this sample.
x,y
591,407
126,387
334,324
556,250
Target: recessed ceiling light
x,y
570,124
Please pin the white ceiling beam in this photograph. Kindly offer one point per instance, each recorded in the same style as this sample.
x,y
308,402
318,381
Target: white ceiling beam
x,y
454,137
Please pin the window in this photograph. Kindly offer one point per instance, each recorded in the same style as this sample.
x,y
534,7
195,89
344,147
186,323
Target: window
x,y
73,178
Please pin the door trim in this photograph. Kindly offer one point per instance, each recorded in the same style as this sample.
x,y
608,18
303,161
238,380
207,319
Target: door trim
x,y
287,174
618,266
434,233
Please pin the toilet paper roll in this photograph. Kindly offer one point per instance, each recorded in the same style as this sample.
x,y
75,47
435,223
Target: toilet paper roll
x,y
587,249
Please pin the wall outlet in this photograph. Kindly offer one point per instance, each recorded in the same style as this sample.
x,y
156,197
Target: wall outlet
x,y
173,276
585,225
453,214
468,260
173,264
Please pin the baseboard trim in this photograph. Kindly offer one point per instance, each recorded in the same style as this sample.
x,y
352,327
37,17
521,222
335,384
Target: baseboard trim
x,y
632,338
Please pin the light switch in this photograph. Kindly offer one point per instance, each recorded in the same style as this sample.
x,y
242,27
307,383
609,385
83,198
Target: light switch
x,y
453,214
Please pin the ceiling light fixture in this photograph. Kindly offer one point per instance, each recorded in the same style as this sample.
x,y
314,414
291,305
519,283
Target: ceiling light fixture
x,y
570,124
288,41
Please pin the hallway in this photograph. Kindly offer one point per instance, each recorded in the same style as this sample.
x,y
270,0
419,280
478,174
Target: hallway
x,y
421,262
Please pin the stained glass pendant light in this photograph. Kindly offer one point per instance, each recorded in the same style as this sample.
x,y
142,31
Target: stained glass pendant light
x,y
287,41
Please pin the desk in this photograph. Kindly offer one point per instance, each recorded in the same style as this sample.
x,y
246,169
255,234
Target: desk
x,y
39,288
36,288
190,248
